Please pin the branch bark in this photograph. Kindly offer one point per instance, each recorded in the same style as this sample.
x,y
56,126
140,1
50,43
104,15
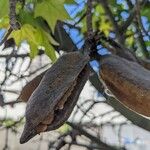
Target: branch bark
x,y
101,144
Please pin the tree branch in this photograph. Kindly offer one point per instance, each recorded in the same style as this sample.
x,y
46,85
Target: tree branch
x,y
89,18
108,11
12,15
91,137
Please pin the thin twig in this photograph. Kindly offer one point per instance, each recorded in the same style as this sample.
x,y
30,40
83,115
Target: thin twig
x,y
12,15
89,19
128,22
108,11
136,25
6,140
91,137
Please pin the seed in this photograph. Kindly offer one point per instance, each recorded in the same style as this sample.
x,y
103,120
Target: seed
x,y
48,120
41,128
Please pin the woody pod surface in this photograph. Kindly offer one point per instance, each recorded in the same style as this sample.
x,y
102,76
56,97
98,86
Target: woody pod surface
x,y
128,81
52,102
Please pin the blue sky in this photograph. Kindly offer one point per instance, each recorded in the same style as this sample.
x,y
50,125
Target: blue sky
x,y
2,32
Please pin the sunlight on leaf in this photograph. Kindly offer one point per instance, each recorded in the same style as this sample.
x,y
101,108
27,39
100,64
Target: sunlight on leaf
x,y
64,128
3,8
4,22
130,38
35,37
70,2
51,11
26,17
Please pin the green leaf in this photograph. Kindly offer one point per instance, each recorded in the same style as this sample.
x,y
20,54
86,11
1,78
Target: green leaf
x,y
35,37
26,17
70,2
4,22
64,128
105,26
130,38
44,38
100,21
147,43
30,34
99,10
83,21
145,12
112,2
8,122
4,8
51,11
49,50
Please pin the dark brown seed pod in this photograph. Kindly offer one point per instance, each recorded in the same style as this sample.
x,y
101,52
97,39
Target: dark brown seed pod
x,y
56,95
128,81
41,128
30,87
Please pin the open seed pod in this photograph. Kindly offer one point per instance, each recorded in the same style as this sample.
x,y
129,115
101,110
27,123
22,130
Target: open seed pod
x,y
128,81
52,102
30,87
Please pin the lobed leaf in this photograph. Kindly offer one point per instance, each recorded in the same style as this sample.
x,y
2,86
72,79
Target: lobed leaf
x,y
35,37
51,11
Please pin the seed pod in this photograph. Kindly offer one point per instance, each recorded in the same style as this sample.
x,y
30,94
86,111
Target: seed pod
x,y
61,85
30,87
128,81
41,128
